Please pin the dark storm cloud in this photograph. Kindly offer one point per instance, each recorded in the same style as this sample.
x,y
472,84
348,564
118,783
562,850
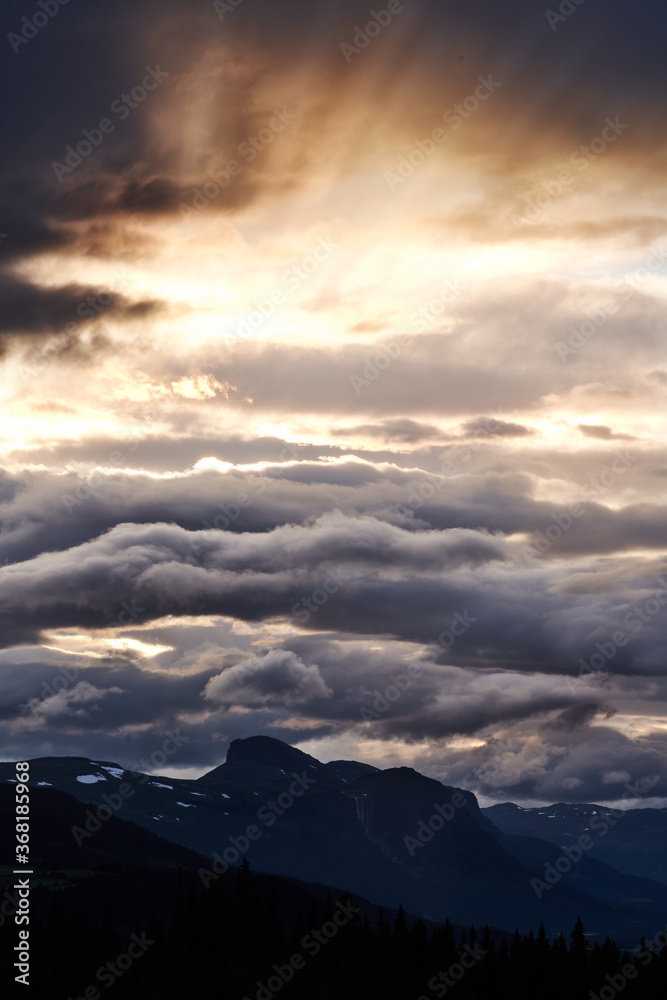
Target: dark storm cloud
x,y
133,552
47,512
398,697
29,236
573,717
91,57
604,766
31,310
139,696
333,688
321,682
591,763
346,574
63,706
280,678
597,63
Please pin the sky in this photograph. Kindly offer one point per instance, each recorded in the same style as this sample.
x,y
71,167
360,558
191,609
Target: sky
x,y
333,387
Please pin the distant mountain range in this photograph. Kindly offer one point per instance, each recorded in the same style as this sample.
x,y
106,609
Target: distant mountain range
x,y
633,841
392,836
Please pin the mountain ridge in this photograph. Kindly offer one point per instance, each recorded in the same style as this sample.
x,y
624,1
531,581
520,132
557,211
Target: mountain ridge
x,y
392,836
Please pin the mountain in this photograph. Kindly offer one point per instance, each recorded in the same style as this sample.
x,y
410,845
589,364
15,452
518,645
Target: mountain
x,y
129,910
392,836
124,886
119,854
633,840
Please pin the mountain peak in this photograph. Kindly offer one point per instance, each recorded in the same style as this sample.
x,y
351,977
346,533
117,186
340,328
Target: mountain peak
x,y
268,751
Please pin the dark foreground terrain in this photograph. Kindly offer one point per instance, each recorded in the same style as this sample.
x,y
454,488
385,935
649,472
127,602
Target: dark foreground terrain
x,y
127,914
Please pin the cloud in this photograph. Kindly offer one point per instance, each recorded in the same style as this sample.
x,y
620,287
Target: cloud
x,y
45,511
278,679
603,433
402,430
615,777
500,733
487,427
594,763
345,574
77,701
173,570
32,312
